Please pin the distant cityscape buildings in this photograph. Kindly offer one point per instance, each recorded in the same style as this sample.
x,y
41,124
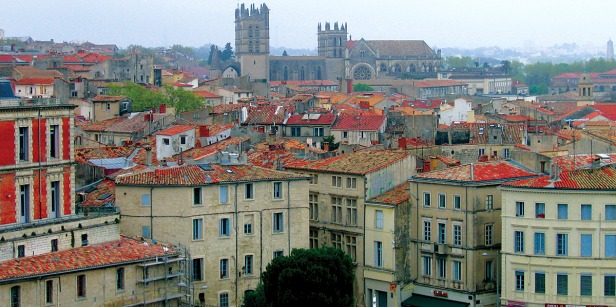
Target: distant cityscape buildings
x,y
610,50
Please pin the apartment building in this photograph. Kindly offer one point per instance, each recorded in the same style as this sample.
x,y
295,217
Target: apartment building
x,y
234,219
559,239
455,220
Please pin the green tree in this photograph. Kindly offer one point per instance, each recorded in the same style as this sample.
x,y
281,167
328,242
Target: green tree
x,y
142,97
506,66
284,53
188,51
255,298
362,87
454,61
180,99
213,49
314,277
227,53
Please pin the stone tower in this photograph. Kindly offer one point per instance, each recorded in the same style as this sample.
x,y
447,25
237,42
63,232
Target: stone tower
x,y
610,50
252,41
332,42
585,86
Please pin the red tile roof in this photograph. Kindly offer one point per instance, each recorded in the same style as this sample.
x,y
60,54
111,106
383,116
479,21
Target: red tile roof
x,y
176,129
607,110
194,175
359,162
206,94
119,252
35,81
225,108
394,196
322,119
476,172
82,155
600,178
359,122
266,115
572,162
304,82
106,98
105,187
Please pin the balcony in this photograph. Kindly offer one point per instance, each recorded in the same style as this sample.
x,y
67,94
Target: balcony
x,y
30,102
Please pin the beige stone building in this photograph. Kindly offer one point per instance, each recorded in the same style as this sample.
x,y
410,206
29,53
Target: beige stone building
x,y
339,188
234,219
455,219
559,239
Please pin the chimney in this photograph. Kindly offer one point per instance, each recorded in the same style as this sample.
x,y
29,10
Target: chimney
x,y
596,162
364,105
326,146
271,138
306,149
162,108
402,143
349,86
472,172
204,131
148,155
147,117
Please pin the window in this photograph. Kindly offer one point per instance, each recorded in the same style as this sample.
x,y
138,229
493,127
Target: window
x,y
277,190
457,234
610,245
318,131
519,281
457,203
336,181
166,141
197,229
197,269
427,265
314,239
295,131
337,240
224,268
345,134
21,251
24,203
351,246
378,254
248,191
442,233
54,245
441,267
562,284
609,285
563,211
379,219
84,239
223,194
562,244
351,183
586,285
278,222
49,292
145,199
457,270
16,296
54,141
224,227
223,299
24,143
182,140
586,212
55,199
540,210
489,202
426,199
586,245
519,208
518,238
248,218
314,179
610,212
120,279
336,210
489,270
197,196
313,203
278,253
351,211
539,243
248,264
540,283
441,201
145,231
81,286
427,225
489,234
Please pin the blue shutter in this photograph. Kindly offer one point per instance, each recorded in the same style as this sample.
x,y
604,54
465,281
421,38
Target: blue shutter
x,y
539,243
145,199
610,245
586,212
610,212
562,211
586,241
223,194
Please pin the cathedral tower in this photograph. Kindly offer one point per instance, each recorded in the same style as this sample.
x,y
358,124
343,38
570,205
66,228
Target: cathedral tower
x,y
332,42
252,41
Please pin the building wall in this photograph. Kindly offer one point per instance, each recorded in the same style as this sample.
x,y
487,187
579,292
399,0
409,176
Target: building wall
x,y
173,214
573,264
174,147
105,110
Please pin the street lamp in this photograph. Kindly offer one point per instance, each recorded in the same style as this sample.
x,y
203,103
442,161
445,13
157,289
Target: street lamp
x,y
497,269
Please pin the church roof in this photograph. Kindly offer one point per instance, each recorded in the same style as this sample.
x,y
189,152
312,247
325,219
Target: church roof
x,y
401,48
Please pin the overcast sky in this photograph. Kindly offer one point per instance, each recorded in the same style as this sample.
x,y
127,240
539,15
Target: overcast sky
x,y
293,23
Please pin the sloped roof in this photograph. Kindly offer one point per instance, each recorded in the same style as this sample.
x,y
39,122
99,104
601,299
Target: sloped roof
x,y
359,162
400,48
266,115
394,196
206,94
176,129
35,81
437,83
106,98
365,122
311,119
476,172
135,123
104,194
600,178
572,162
225,108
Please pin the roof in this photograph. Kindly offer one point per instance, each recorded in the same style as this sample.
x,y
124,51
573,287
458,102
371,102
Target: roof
x,y
82,155
267,115
476,172
32,81
438,83
400,48
176,129
206,94
104,194
394,196
358,163
33,72
225,108
118,252
106,98
135,123
311,119
599,178
191,175
304,82
572,162
366,122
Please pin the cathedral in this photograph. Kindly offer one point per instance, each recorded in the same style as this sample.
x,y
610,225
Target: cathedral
x,y
338,57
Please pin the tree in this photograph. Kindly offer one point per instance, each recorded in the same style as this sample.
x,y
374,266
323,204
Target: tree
x,y
284,53
315,277
187,51
331,141
180,99
460,62
144,99
227,54
506,65
362,87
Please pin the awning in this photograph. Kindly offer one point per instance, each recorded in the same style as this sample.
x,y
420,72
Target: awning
x,y
425,301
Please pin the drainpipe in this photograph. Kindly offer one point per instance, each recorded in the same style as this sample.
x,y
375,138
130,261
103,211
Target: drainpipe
x,y
236,242
151,213
289,215
40,203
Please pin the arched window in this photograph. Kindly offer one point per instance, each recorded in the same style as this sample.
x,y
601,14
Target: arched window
x,y
412,68
250,31
362,53
397,68
319,73
335,53
382,67
257,31
285,74
250,46
257,47
302,74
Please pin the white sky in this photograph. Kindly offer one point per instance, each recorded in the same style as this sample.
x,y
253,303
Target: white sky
x,y
293,23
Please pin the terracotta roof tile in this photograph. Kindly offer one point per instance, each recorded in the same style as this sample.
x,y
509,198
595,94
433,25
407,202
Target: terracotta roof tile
x,y
302,119
359,122
105,98
359,162
225,108
176,129
572,162
481,172
394,196
601,178
35,81
94,198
